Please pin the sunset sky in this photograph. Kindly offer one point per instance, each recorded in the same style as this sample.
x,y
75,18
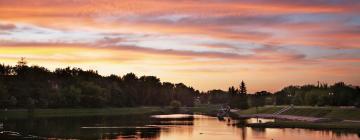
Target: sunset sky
x,y
205,44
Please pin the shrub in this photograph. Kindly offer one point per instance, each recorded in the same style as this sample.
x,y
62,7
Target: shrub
x,y
175,105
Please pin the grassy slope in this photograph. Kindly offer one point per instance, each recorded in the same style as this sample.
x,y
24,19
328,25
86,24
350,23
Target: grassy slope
x,y
309,112
205,109
348,114
325,112
23,113
69,112
293,124
260,110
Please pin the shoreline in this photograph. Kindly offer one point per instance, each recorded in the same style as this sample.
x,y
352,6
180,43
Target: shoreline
x,y
286,117
335,126
303,118
82,112
281,121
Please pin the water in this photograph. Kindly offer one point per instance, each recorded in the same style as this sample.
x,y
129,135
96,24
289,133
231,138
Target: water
x,y
162,127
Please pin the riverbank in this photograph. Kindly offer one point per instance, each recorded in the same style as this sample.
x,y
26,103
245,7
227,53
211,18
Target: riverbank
x,y
335,113
336,118
78,112
305,117
346,126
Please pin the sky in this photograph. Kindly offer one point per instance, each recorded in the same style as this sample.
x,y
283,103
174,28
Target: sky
x,y
210,44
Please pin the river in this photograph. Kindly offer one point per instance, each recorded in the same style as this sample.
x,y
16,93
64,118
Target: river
x,y
157,127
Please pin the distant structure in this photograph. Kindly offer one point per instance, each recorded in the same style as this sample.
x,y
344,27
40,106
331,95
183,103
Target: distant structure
x,y
197,101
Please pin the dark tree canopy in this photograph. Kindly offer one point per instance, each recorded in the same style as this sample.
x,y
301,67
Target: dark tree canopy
x,y
24,86
339,94
322,94
243,88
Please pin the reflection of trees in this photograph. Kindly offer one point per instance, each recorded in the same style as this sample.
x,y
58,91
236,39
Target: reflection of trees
x,y
133,133
70,127
173,121
243,133
258,131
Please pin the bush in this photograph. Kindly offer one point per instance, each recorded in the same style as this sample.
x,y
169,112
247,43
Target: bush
x,y
175,105
357,103
30,104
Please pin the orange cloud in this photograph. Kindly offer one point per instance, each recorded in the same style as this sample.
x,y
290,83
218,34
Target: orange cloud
x,y
269,43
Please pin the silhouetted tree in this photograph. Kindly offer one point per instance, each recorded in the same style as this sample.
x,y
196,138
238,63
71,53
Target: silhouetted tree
x,y
23,86
218,96
238,97
259,98
242,88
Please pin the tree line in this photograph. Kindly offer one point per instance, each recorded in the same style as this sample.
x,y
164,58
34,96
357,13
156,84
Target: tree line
x,y
322,94
24,86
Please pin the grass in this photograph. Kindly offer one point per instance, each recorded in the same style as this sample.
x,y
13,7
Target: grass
x,y
346,114
321,126
205,109
336,114
260,110
23,113
326,112
322,112
78,112
309,112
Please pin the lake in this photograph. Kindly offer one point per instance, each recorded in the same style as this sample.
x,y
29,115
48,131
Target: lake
x,y
162,127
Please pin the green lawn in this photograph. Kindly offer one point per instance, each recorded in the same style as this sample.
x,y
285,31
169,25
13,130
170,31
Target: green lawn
x,y
309,112
205,109
322,126
324,112
69,112
346,114
23,113
260,110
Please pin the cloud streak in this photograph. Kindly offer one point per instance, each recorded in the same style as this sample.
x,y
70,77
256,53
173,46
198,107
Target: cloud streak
x,y
238,40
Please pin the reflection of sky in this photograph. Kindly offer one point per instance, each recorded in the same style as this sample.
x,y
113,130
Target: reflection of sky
x,y
189,40
210,128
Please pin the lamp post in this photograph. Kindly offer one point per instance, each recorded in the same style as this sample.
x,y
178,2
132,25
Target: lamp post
x,y
331,94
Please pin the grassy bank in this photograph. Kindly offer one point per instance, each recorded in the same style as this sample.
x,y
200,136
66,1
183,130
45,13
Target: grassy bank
x,y
260,110
78,112
322,112
321,126
204,109
326,112
335,114
23,113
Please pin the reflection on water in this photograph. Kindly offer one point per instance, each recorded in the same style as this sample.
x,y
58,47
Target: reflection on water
x,y
163,127
259,120
174,116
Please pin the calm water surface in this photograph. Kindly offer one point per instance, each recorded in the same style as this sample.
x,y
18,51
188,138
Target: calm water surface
x,y
163,127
